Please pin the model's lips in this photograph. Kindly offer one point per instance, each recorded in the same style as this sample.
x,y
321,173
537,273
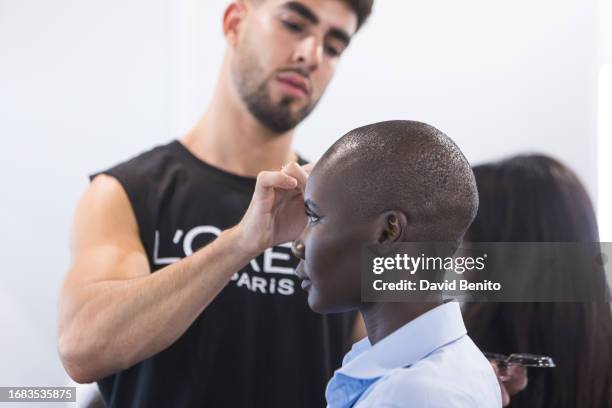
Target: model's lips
x,y
299,271
295,83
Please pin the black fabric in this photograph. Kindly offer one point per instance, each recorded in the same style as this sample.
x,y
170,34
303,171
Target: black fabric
x,y
257,344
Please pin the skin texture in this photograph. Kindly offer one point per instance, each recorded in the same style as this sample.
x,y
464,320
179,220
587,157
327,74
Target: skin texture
x,y
110,313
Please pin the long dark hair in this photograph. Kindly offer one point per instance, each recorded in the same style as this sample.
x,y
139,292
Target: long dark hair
x,y
529,199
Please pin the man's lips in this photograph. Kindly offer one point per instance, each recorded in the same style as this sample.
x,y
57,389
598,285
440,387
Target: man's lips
x,y
295,82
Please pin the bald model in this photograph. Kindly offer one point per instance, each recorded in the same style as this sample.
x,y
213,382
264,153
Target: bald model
x,y
396,181
407,166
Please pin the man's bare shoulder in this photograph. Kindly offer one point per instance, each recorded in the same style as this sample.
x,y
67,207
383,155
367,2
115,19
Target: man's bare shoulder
x,y
104,213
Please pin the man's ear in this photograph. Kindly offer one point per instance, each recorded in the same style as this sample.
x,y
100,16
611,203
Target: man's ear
x,y
391,226
234,15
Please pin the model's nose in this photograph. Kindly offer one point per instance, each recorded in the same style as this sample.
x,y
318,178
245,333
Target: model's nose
x,y
298,249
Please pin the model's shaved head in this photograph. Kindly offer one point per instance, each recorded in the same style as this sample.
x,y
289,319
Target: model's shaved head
x,y
396,181
406,166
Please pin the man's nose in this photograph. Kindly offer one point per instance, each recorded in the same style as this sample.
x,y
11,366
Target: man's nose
x,y
298,249
309,52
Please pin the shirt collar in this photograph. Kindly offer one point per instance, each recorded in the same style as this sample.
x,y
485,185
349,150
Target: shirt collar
x,y
408,344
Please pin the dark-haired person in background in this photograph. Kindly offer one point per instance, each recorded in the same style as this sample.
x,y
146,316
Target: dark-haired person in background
x,y
169,301
537,199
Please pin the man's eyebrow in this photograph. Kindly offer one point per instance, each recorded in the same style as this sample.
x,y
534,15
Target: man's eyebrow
x,y
310,205
309,15
302,10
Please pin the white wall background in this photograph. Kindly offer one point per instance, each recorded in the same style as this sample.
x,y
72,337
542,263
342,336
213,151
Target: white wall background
x,y
498,77
85,84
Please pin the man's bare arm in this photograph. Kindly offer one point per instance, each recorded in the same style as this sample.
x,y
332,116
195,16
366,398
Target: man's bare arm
x,y
113,312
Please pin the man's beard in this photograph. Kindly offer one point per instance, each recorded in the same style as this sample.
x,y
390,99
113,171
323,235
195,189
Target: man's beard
x,y
252,87
279,117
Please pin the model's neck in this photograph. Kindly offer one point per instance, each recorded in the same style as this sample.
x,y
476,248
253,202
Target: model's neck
x,y
229,137
382,319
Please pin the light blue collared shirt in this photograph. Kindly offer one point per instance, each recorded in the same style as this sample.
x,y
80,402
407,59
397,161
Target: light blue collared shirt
x,y
428,363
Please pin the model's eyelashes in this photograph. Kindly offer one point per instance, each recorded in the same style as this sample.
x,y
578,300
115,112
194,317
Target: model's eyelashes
x,y
312,217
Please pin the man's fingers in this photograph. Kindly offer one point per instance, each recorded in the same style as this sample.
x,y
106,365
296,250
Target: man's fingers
x,y
275,179
295,171
308,168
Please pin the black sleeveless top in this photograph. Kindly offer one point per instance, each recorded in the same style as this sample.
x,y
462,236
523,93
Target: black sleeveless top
x,y
257,344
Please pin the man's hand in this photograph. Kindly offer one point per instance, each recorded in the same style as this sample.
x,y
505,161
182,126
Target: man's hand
x,y
512,380
276,213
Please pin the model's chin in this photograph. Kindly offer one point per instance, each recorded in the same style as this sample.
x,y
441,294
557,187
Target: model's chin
x,y
319,304
315,306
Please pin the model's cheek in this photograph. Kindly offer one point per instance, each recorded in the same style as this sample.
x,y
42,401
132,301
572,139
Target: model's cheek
x,y
320,256
335,274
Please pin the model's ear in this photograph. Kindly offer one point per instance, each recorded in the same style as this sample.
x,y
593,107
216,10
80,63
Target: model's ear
x,y
234,15
391,226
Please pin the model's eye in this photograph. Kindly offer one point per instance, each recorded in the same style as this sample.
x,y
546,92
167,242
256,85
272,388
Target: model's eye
x,y
293,27
312,218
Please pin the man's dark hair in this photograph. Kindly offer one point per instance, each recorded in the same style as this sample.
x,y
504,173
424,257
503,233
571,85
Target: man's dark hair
x,y
408,166
363,9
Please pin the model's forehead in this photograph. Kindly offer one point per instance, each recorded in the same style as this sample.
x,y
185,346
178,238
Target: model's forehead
x,y
315,182
326,188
